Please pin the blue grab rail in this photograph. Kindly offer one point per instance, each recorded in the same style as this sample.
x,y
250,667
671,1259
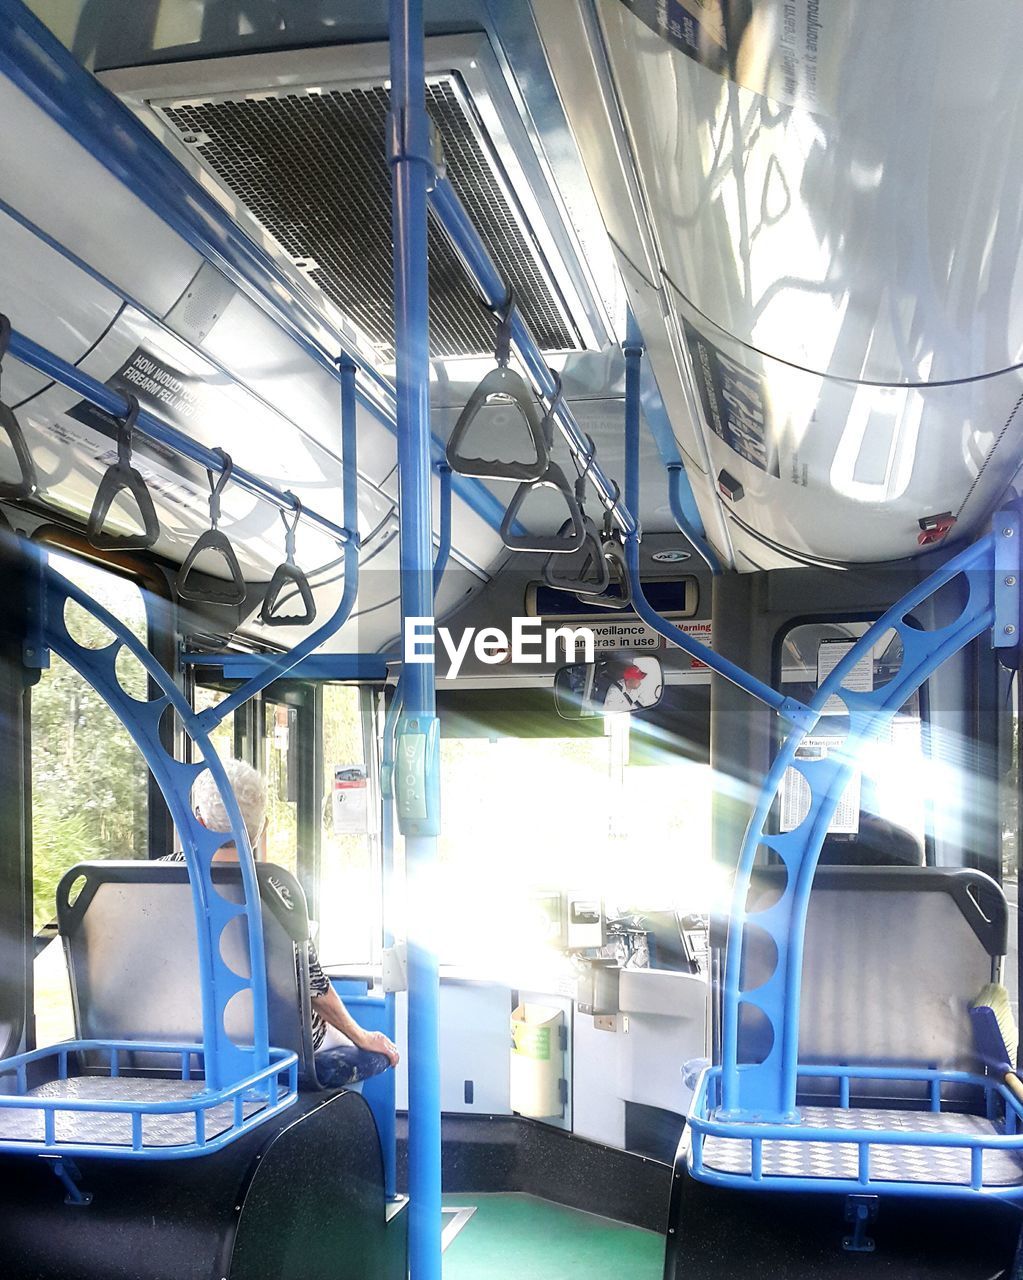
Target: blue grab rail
x,y
705,1123
263,1091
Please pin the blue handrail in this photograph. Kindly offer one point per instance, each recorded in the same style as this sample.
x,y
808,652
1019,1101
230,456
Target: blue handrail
x,y
148,424
789,708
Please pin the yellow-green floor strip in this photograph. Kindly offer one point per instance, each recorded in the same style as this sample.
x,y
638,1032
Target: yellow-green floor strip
x,y
518,1237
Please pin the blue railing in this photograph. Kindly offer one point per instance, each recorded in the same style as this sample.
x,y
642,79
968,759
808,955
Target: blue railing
x,y
65,1120
711,1139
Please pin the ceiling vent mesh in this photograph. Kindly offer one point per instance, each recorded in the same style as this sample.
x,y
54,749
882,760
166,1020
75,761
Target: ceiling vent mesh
x,y
311,168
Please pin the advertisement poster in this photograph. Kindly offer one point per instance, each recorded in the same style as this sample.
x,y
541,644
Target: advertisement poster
x,y
772,47
734,402
350,800
795,793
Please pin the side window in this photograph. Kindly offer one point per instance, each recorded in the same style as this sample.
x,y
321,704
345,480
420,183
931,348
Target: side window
x,y
222,736
90,785
279,733
349,889
882,816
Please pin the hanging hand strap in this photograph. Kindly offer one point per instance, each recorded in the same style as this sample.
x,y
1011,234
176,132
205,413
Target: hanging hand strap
x,y
503,341
585,572
286,575
571,535
614,558
123,476
510,388
234,591
9,425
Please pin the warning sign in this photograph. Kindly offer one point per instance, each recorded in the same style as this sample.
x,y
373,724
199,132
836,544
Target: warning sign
x,y
699,631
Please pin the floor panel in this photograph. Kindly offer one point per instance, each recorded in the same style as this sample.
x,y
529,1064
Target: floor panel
x,y
519,1237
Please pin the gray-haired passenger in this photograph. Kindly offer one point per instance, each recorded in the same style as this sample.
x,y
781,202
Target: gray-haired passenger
x,y
333,1027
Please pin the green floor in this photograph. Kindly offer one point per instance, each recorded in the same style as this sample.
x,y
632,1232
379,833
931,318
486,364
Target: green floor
x,y
517,1237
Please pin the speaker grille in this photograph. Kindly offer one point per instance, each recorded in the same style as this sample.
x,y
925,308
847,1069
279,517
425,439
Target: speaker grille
x,y
311,168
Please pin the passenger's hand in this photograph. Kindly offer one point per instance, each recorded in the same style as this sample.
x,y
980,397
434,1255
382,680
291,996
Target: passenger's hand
x,y
377,1042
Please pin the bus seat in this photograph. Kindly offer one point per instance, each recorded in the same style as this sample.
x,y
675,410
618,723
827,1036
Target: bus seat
x,y
894,957
130,941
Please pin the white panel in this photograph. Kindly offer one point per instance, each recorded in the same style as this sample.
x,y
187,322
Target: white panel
x,y
55,183
844,234
48,300
598,1109
474,1037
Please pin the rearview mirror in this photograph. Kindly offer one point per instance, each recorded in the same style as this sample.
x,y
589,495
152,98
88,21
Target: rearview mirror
x,y
613,685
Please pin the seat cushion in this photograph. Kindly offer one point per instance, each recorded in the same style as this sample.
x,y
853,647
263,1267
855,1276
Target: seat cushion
x,y
347,1065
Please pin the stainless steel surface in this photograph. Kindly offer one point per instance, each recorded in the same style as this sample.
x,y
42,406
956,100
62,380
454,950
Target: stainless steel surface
x,y
830,209
107,1128
888,1163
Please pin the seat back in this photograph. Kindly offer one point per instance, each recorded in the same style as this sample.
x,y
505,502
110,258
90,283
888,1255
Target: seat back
x,y
893,958
130,941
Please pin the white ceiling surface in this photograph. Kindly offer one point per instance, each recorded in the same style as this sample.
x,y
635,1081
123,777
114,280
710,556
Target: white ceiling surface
x,y
277,413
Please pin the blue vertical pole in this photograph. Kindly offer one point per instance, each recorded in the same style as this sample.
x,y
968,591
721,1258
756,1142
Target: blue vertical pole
x,y
633,352
411,173
387,1140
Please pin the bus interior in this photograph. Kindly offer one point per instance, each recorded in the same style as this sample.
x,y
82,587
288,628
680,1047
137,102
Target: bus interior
x,y
546,449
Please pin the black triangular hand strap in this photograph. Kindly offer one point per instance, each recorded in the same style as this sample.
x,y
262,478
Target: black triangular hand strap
x,y
122,475
288,575
285,575
9,425
585,572
509,385
234,591
217,592
614,558
569,538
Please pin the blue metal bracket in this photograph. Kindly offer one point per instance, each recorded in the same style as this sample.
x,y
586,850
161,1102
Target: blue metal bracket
x,y
68,1173
860,1211
227,1062
1005,634
766,1090
413,136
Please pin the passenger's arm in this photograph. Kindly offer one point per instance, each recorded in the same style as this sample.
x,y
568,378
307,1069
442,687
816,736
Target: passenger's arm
x,y
329,1005
331,1009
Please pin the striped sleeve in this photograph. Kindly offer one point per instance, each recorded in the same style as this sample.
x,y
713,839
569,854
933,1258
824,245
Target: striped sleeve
x,y
319,983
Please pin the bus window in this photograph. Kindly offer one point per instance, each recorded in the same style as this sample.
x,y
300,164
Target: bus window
x,y
279,735
222,736
532,805
90,785
349,891
883,815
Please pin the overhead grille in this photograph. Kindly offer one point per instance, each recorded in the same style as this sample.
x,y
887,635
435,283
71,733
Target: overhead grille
x,y
311,167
